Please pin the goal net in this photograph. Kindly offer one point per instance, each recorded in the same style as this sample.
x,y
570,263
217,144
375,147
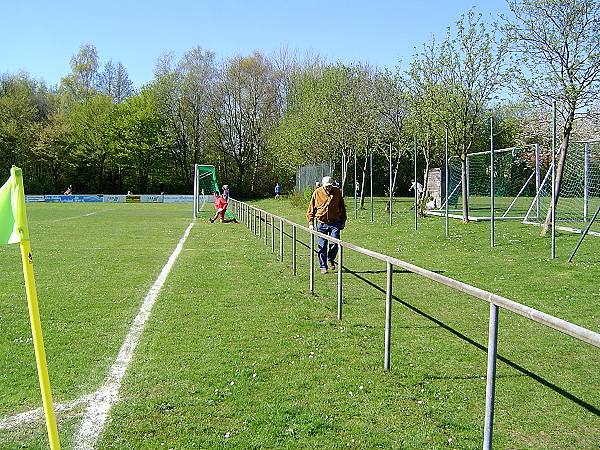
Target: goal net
x,y
579,195
515,178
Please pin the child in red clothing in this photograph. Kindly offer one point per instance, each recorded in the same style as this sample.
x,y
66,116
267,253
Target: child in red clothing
x,y
221,207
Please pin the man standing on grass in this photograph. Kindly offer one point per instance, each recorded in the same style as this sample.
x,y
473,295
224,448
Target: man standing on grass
x,y
327,206
221,207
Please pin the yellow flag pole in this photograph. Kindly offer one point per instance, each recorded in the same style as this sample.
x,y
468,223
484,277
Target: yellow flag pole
x,y
34,312
38,343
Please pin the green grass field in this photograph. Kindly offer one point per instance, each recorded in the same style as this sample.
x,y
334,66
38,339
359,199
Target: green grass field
x,y
237,353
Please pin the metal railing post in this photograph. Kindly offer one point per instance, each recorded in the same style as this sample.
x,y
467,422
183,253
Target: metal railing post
x,y
491,377
311,282
266,227
388,317
339,279
294,250
259,223
273,234
281,240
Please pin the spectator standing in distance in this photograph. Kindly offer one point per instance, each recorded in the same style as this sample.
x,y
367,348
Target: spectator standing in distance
x,y
328,208
277,191
416,185
221,207
226,192
419,189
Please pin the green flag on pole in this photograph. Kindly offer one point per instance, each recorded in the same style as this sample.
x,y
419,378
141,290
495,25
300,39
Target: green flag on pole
x,y
13,229
13,221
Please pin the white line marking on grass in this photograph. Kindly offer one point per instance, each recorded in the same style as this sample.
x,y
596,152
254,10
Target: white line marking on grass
x,y
82,215
97,412
37,414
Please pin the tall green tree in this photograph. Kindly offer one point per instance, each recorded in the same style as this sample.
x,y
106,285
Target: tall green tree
x,y
91,123
83,80
54,151
390,106
184,94
114,81
458,79
298,136
425,87
330,115
23,107
139,138
560,61
245,107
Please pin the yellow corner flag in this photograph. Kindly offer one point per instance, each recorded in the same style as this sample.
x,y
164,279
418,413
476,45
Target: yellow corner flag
x,y
13,222
13,229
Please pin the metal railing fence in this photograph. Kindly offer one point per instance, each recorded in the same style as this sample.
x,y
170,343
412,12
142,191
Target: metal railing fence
x,y
255,218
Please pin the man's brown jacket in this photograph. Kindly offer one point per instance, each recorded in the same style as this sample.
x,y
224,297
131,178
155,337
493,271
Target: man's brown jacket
x,y
327,207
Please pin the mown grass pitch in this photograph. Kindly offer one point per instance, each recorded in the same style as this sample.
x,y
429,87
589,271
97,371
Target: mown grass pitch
x,y
238,354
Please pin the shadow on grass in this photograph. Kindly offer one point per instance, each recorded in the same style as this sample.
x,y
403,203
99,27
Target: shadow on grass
x,y
523,370
373,272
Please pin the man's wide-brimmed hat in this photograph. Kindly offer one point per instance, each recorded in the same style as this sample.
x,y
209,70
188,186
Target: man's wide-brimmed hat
x,y
326,181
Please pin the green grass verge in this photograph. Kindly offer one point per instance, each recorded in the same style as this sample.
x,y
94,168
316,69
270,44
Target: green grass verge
x,y
238,354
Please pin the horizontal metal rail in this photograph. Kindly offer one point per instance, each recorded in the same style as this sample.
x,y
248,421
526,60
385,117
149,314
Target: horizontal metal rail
x,y
249,215
563,326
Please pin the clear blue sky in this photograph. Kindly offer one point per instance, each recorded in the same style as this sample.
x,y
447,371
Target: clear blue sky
x,y
40,37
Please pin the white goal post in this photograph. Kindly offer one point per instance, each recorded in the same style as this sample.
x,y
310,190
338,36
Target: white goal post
x,y
205,184
579,194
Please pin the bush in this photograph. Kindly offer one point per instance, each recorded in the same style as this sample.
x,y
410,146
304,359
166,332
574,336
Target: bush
x,y
300,199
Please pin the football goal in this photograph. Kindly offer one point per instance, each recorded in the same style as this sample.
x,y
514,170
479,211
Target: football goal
x,y
205,184
515,178
579,195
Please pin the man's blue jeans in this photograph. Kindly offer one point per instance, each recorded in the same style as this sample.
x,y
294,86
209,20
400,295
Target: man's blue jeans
x,y
327,252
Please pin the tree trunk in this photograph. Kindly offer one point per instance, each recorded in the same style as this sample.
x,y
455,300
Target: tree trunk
x,y
560,166
364,180
422,197
465,196
345,163
393,186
